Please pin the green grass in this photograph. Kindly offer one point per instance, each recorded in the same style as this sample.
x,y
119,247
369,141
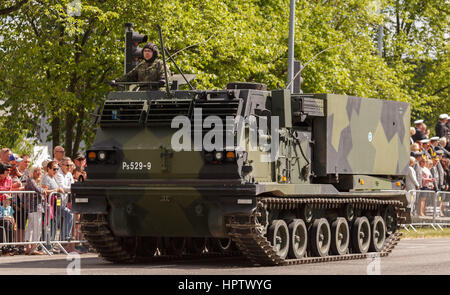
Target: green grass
x,y
425,233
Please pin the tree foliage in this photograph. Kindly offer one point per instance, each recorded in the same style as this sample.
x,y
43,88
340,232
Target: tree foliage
x,y
56,56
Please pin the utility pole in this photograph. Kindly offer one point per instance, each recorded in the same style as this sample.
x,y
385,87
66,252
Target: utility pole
x,y
380,36
291,45
380,40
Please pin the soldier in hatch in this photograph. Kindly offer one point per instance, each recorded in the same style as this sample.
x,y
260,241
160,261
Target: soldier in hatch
x,y
151,69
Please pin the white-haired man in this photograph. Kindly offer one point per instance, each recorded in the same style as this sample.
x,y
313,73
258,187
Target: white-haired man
x,y
64,179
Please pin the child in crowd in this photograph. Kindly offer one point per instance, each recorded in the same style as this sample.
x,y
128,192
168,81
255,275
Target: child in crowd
x,y
7,223
6,211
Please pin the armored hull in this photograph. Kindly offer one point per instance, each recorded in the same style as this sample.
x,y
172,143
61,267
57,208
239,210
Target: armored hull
x,y
315,185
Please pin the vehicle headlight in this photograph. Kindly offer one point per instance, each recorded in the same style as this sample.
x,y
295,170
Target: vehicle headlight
x,y
101,156
218,156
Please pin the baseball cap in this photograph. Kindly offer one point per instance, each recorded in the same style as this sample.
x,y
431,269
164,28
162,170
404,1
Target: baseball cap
x,y
12,157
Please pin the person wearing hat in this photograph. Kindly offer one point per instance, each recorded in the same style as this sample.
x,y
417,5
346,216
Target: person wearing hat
x,y
79,174
13,161
7,221
434,141
441,147
22,168
426,147
441,127
150,69
419,135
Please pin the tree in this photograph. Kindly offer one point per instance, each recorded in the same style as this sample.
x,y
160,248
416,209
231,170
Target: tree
x,y
55,59
8,7
55,63
417,49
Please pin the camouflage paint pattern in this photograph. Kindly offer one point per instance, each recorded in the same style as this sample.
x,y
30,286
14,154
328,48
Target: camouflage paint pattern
x,y
183,195
362,136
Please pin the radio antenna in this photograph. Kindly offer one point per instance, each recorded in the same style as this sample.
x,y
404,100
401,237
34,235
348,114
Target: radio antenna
x,y
164,59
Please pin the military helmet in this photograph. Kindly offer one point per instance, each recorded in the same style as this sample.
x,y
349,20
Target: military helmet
x,y
153,48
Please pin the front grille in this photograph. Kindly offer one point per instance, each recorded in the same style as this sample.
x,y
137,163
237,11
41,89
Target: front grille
x,y
219,108
161,112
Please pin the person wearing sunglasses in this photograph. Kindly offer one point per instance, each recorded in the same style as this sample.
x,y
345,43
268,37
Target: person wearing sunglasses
x,y
58,154
79,174
49,182
64,179
5,178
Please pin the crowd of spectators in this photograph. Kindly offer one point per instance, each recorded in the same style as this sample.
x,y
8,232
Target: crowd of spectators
x,y
24,215
429,162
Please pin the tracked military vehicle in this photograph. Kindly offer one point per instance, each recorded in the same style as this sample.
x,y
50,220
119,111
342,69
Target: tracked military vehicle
x,y
325,181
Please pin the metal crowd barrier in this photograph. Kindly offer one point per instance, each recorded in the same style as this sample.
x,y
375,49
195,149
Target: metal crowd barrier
x,y
435,202
26,218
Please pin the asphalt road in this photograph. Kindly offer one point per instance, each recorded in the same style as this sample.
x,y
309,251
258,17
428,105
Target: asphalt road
x,y
410,257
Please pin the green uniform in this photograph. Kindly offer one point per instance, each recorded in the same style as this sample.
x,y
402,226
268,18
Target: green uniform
x,y
145,71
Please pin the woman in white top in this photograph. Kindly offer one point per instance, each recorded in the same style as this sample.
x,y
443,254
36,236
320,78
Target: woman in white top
x,y
411,181
427,183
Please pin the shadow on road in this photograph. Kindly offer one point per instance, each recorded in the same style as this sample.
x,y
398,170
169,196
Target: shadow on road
x,y
212,263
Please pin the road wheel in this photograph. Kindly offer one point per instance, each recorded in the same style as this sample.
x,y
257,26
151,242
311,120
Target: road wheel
x,y
378,234
278,236
320,237
340,236
361,235
298,235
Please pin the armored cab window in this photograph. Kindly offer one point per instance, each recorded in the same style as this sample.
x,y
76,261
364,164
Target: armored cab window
x,y
123,113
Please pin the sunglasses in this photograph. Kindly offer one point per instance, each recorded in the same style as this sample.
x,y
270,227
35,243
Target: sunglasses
x,y
55,169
